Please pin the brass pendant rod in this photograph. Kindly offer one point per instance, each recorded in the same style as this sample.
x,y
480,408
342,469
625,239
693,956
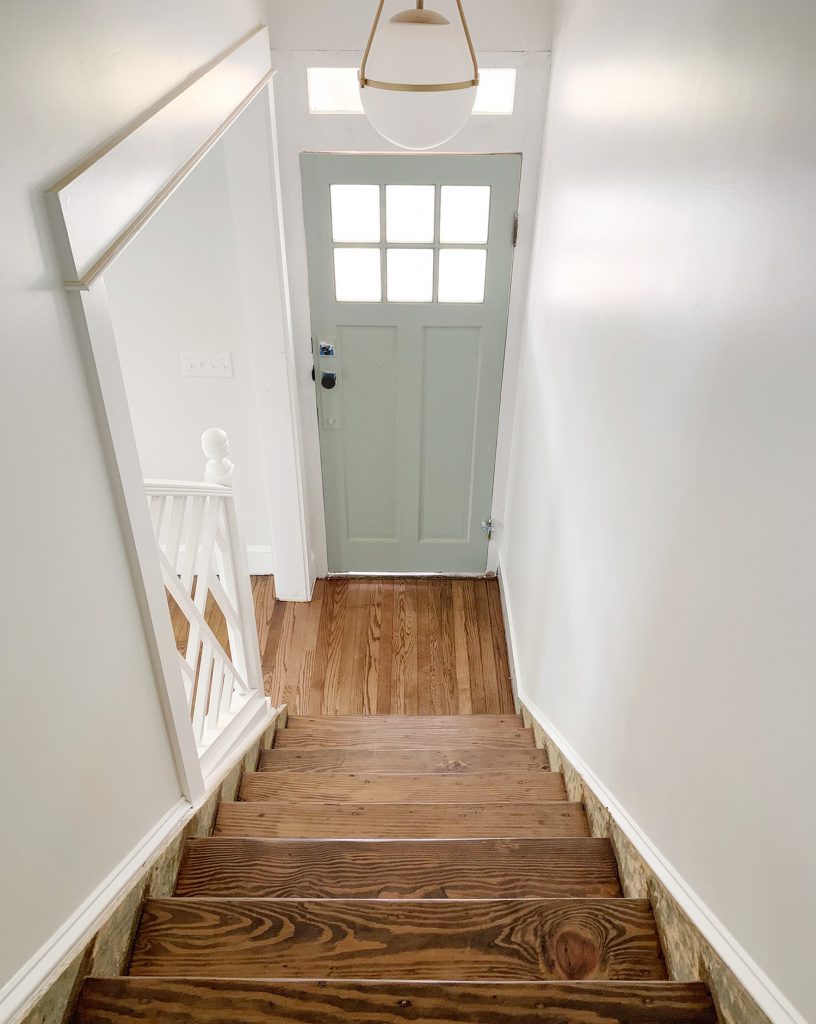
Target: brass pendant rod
x,y
469,41
431,87
367,51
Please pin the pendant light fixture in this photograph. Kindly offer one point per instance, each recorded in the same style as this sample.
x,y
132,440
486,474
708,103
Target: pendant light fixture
x,y
418,76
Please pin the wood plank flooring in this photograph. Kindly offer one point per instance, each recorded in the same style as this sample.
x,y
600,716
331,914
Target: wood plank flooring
x,y
384,646
419,646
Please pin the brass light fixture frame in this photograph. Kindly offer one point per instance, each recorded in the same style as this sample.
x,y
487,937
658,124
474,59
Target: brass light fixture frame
x,y
419,16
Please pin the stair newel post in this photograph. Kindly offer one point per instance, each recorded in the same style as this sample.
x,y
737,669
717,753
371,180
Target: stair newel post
x,y
219,469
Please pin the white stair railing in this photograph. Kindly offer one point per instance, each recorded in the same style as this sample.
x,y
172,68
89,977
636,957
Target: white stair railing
x,y
204,565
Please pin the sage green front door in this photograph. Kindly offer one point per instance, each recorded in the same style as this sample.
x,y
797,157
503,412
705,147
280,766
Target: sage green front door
x,y
409,282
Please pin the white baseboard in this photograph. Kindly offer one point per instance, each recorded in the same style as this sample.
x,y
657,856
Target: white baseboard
x,y
250,723
261,560
750,975
39,972
34,978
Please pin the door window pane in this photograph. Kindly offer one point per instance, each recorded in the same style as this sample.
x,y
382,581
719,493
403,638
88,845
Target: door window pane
x,y
409,213
355,211
357,275
462,275
465,213
410,275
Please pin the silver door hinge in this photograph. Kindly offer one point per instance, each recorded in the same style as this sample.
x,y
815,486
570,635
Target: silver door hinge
x,y
487,526
515,229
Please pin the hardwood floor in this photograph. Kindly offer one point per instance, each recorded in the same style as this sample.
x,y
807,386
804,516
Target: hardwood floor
x,y
382,646
386,646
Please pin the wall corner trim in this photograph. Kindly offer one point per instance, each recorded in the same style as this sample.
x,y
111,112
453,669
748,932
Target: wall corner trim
x,y
261,560
750,975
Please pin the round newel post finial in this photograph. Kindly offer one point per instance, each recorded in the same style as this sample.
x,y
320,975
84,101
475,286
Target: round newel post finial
x,y
215,445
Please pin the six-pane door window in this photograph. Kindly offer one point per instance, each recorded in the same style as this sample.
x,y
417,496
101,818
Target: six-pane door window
x,y
410,243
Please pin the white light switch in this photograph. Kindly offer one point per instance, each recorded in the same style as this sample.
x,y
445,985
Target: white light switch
x,y
206,364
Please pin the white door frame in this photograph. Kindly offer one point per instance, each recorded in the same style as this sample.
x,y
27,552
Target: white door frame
x,y
97,210
298,131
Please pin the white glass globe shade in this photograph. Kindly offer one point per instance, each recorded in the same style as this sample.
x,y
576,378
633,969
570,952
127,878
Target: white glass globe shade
x,y
406,53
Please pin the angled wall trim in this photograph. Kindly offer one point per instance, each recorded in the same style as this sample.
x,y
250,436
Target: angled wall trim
x,y
106,200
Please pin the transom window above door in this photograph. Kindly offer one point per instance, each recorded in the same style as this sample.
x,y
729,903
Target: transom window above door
x,y
410,243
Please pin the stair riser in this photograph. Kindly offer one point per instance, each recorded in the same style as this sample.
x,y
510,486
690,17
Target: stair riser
x,y
399,869
410,739
362,787
440,761
461,723
401,821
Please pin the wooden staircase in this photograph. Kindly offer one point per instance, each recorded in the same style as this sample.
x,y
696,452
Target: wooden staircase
x,y
390,869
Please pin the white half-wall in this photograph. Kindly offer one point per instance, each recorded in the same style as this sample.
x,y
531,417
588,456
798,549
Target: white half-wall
x,y
86,763
177,288
659,560
207,274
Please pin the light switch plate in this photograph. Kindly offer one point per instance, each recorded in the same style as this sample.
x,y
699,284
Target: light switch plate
x,y
206,364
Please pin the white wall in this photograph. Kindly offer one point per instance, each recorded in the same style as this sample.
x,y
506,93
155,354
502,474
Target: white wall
x,y
329,25
324,33
85,762
178,288
659,557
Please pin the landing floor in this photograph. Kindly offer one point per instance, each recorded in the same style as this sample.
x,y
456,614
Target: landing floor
x,y
386,646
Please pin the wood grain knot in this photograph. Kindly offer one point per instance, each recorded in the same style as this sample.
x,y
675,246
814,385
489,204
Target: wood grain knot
x,y
576,955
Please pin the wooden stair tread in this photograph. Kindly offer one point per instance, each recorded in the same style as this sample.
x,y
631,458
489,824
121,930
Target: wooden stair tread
x,y
460,723
411,737
400,821
398,869
377,787
442,759
573,939
207,1001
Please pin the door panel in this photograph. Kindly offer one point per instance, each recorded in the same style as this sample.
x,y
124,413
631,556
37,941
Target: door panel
x,y
368,369
409,277
448,431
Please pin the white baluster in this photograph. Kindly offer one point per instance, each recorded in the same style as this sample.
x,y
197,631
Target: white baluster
x,y
202,555
215,445
234,575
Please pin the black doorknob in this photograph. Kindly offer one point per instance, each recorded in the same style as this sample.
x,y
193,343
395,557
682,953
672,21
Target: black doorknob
x,y
328,380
